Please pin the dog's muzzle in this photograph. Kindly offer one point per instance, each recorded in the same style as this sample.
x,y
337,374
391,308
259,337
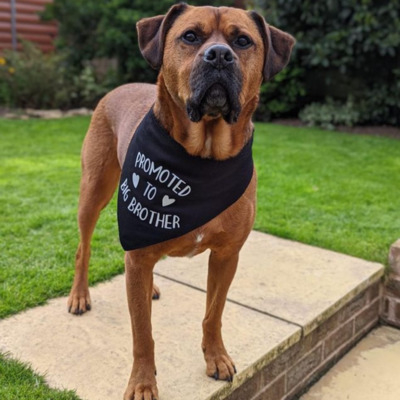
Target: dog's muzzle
x,y
216,84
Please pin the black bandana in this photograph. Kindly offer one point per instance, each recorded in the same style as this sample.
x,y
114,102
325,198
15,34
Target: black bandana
x,y
165,192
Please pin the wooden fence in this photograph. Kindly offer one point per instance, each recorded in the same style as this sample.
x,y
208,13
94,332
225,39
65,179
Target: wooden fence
x,y
19,20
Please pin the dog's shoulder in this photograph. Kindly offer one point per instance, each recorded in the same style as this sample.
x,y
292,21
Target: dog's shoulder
x,y
126,105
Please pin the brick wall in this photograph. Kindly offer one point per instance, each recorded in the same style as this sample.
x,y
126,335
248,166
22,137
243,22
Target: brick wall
x,y
28,24
391,296
292,371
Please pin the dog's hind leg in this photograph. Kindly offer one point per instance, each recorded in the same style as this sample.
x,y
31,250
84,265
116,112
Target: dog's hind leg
x,y
100,174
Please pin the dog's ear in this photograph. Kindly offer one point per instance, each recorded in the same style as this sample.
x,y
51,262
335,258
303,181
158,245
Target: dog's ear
x,y
277,44
152,32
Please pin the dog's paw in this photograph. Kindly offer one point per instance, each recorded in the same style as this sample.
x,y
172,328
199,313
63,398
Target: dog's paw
x,y
156,292
219,365
79,301
141,391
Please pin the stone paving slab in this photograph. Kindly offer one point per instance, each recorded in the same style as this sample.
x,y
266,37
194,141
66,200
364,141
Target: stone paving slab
x,y
367,372
92,353
282,290
299,283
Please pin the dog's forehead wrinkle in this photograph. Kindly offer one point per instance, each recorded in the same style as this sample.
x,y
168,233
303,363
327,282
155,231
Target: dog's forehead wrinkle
x,y
217,15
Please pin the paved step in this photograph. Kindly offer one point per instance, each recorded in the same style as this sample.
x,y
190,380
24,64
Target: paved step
x,y
370,371
293,310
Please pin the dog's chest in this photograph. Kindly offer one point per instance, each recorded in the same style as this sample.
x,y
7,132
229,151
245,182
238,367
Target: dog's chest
x,y
165,193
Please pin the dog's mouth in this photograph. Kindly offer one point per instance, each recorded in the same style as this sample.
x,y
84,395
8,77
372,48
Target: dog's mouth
x,y
214,96
215,101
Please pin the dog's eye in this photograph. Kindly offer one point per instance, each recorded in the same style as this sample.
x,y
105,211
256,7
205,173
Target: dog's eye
x,y
243,41
190,37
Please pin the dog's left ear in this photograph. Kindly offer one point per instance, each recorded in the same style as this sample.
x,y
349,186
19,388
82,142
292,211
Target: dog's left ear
x,y
152,32
277,44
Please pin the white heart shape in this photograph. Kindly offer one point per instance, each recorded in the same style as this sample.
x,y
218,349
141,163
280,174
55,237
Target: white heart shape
x,y
135,179
167,201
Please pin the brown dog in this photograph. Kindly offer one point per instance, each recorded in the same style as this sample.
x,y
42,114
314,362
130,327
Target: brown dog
x,y
212,62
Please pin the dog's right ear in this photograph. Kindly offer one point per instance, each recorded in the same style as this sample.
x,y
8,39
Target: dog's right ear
x,y
152,32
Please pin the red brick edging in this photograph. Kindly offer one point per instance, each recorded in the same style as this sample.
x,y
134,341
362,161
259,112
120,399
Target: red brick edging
x,y
292,371
391,296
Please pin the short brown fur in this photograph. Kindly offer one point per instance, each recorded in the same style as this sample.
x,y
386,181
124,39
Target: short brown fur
x,y
113,124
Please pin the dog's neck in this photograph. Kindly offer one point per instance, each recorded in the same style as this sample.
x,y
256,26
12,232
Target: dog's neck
x,y
209,138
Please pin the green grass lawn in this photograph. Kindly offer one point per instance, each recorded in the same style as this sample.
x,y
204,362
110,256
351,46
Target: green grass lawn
x,y
19,382
329,189
39,187
333,190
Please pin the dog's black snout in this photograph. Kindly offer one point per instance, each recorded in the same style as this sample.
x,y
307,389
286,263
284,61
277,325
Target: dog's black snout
x,y
219,56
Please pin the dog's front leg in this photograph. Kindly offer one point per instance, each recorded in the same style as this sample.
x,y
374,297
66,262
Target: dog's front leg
x,y
139,283
221,270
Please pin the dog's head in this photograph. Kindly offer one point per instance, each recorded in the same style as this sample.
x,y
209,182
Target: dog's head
x,y
213,60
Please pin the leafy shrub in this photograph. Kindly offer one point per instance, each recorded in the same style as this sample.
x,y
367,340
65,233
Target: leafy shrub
x,y
381,103
282,95
28,78
31,79
5,72
352,46
330,114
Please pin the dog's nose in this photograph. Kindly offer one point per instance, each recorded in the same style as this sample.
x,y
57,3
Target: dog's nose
x,y
219,56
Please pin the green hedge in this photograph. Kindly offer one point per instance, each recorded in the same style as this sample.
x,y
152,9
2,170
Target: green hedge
x,y
348,50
